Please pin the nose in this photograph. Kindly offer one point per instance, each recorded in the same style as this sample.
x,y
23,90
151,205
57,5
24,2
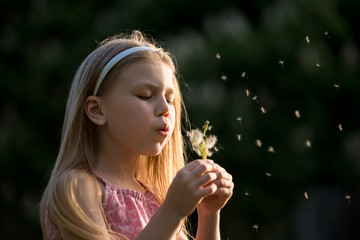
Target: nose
x,y
163,108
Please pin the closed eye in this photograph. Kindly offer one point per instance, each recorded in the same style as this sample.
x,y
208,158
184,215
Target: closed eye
x,y
144,97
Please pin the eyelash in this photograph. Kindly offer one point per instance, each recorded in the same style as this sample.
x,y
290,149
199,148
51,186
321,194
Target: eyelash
x,y
169,101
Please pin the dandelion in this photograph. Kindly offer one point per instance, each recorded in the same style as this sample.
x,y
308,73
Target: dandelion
x,y
218,56
239,119
258,142
238,136
271,149
256,227
340,127
308,143
307,39
281,62
347,197
202,144
223,77
297,114
306,195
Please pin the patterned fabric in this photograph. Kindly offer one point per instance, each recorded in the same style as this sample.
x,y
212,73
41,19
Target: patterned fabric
x,y
127,211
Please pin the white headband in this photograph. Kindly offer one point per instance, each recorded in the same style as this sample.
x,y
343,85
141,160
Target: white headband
x,y
114,61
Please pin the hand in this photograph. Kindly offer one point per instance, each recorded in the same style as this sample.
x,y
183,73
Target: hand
x,y
212,204
190,185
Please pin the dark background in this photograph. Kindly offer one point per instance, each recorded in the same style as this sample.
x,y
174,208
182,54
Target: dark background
x,y
43,42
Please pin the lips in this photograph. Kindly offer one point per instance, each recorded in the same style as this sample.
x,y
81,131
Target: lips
x,y
164,130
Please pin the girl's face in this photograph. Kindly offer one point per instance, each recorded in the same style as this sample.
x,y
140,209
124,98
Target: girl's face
x,y
139,109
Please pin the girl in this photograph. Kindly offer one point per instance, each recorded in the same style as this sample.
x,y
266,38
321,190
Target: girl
x,y
120,172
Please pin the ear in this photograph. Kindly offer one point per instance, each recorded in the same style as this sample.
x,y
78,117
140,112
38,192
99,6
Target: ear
x,y
94,110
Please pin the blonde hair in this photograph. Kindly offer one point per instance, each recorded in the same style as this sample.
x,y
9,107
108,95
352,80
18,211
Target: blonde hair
x,y
79,142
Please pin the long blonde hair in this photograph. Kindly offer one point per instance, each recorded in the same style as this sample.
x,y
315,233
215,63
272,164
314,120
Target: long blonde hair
x,y
79,142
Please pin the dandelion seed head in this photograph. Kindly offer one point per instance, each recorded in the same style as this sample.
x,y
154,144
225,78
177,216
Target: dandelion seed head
x,y
211,141
195,136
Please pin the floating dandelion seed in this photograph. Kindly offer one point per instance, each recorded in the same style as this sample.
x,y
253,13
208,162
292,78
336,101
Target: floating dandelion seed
x,y
218,56
256,227
202,144
318,64
239,119
223,77
247,92
258,142
281,62
246,194
326,33
307,39
268,174
347,197
238,136
337,86
297,114
306,195
262,110
340,127
308,143
243,74
255,98
271,149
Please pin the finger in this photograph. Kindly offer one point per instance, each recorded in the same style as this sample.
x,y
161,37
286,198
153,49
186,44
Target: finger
x,y
190,166
223,183
206,191
205,180
202,169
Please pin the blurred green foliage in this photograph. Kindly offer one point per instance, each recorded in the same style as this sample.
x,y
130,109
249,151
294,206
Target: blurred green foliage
x,y
43,43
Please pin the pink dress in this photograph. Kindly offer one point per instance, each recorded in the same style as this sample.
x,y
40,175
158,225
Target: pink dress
x,y
126,210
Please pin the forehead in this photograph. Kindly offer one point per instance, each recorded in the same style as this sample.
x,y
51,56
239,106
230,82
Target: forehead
x,y
145,72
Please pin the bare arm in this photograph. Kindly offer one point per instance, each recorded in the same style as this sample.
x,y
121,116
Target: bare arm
x,y
209,208
190,185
